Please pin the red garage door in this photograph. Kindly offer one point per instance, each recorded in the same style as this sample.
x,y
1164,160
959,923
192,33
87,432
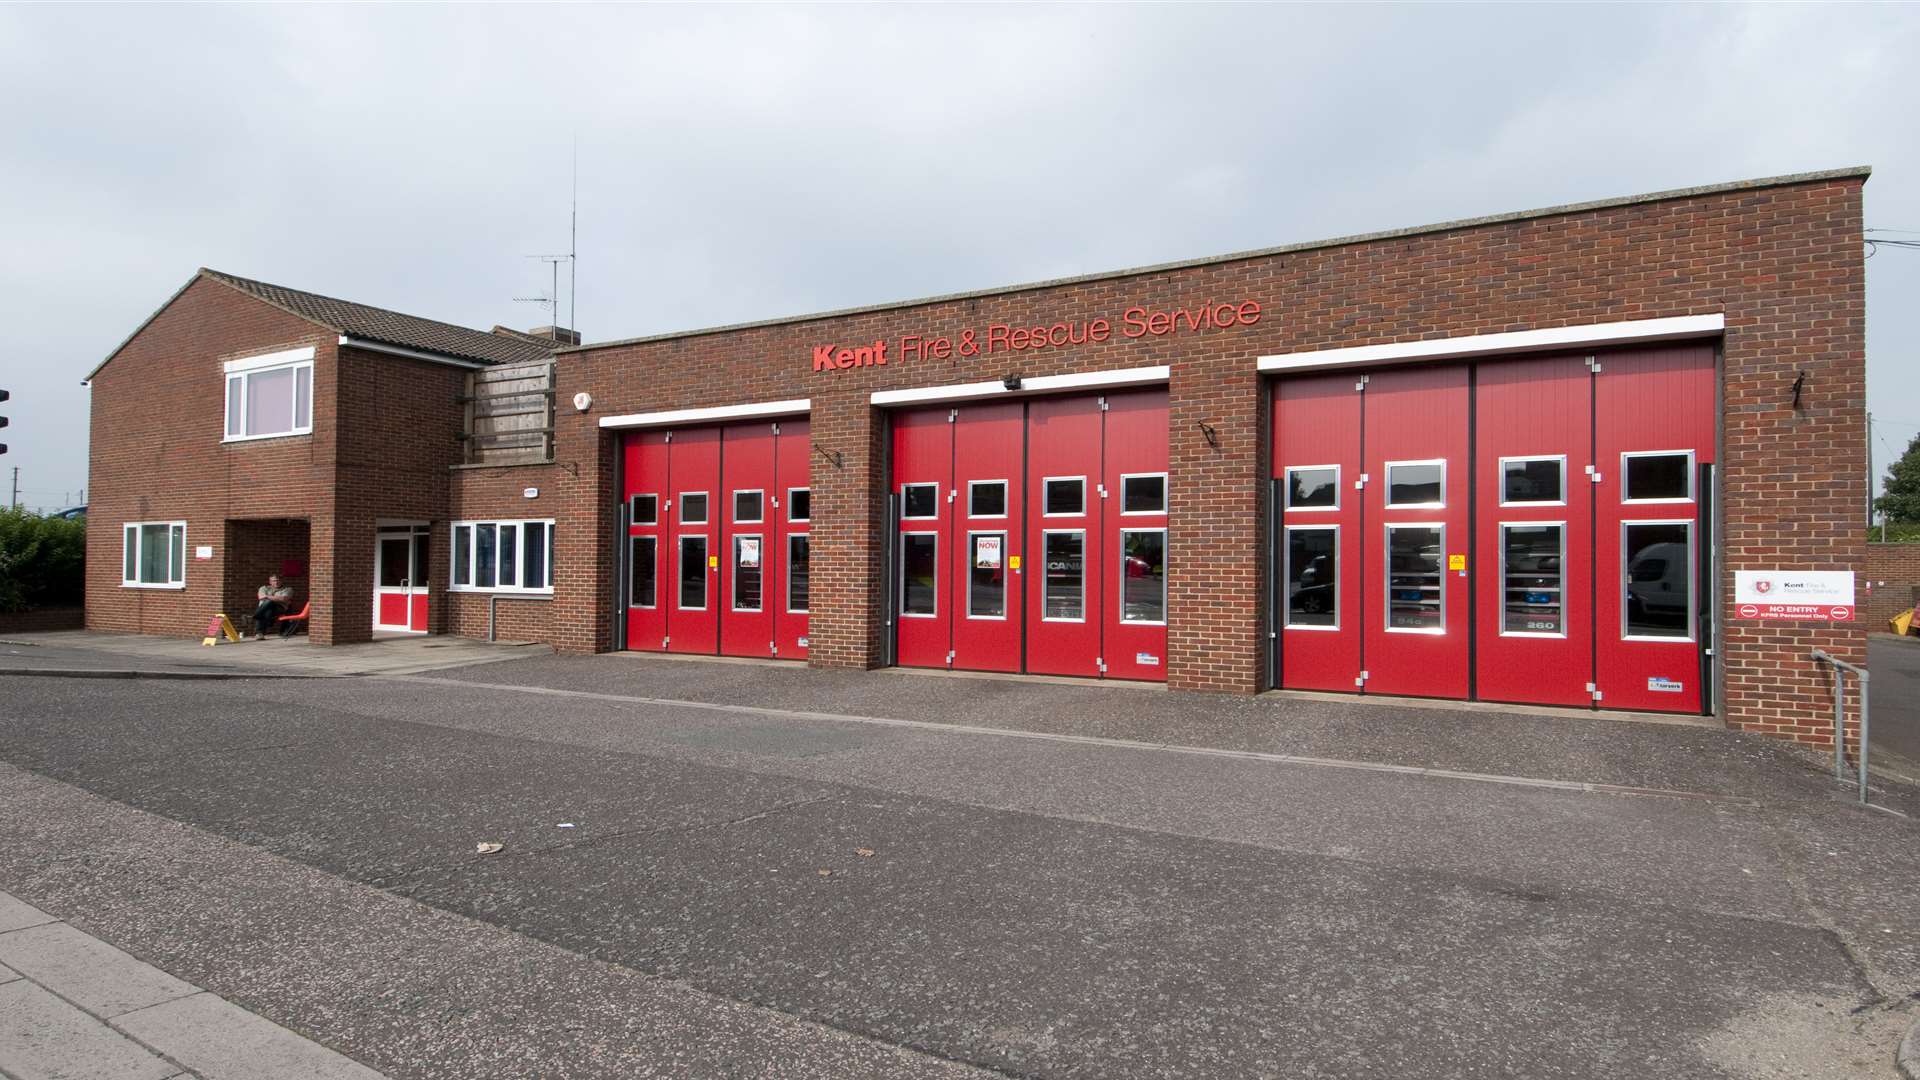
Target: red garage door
x,y
1522,530
1032,536
717,557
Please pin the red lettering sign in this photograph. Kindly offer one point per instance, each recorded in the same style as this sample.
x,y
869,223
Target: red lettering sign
x,y
1135,322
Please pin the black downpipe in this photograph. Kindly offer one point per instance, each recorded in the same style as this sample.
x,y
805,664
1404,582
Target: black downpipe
x,y
1276,584
623,548
1703,631
890,643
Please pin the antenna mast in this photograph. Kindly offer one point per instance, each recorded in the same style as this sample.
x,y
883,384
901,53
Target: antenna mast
x,y
573,246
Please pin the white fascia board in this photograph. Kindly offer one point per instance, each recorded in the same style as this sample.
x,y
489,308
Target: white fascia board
x,y
267,360
411,354
700,416
1039,384
1592,335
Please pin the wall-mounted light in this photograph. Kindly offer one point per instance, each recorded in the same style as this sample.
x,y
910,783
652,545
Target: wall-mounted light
x,y
1213,437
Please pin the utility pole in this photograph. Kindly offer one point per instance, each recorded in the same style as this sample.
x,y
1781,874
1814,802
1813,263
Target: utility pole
x,y
1883,520
15,500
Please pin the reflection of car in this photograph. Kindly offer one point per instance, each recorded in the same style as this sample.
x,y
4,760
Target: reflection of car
x,y
1657,585
1137,566
1313,593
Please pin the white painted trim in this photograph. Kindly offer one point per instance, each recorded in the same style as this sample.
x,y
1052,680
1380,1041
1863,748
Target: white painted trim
x,y
1039,384
267,360
671,417
413,354
1558,337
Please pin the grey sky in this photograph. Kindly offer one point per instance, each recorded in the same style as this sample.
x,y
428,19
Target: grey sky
x,y
747,162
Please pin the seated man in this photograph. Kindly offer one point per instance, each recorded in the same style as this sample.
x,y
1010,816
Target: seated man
x,y
275,600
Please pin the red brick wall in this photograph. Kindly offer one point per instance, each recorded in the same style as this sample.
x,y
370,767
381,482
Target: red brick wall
x,y
1783,264
1894,570
41,620
158,418
497,492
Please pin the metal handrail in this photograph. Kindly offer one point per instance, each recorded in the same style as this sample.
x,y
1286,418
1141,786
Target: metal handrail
x,y
1840,669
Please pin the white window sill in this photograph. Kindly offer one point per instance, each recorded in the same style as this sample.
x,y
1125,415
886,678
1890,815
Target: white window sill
x,y
143,585
261,438
531,594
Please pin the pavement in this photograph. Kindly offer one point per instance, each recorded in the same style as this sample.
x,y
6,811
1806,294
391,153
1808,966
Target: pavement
x,y
774,871
74,1006
1894,664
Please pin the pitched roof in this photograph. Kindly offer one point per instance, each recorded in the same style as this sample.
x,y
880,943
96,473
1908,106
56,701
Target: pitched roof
x,y
391,327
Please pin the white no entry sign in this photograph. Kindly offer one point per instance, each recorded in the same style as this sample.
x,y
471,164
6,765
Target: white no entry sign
x,y
1815,595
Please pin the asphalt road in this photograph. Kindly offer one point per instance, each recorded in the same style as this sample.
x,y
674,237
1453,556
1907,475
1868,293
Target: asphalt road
x,y
768,888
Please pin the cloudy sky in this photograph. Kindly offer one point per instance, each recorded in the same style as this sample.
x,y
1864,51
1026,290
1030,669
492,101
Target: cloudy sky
x,y
748,162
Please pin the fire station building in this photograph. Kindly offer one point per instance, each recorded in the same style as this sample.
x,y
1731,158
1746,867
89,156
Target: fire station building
x,y
1518,459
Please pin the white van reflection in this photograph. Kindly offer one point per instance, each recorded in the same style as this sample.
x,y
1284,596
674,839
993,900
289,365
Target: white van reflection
x,y
1657,599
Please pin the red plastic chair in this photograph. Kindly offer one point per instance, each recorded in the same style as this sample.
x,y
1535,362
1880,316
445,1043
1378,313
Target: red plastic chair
x,y
298,617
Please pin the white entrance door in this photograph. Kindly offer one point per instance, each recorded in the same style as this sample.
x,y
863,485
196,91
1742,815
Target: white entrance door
x,y
400,579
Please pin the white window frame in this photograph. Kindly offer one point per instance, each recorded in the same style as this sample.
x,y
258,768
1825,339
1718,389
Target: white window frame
x,y
679,570
500,525
654,539
793,502
1080,513
135,531
1164,554
633,516
1164,494
1501,536
1693,583
935,516
1287,497
1286,572
786,599
1683,501
902,605
1082,534
241,373
733,573
1501,480
1386,493
706,515
1006,499
1006,592
733,507
1386,610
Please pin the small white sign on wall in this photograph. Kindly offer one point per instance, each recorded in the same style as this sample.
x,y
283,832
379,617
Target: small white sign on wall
x,y
204,551
531,493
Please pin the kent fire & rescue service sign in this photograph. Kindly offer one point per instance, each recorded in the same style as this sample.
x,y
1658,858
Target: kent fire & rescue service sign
x,y
1813,595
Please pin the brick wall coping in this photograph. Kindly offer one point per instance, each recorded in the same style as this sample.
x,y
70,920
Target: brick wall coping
x,y
1788,180
1584,335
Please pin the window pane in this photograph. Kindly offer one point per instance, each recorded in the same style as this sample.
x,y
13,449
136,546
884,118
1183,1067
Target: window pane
x,y
644,509
693,572
799,504
1658,476
533,560
420,566
394,551
746,573
799,572
1414,581
1065,596
693,508
1530,558
462,554
303,397
1659,574
987,575
153,554
1066,497
483,558
920,501
177,537
642,573
746,505
234,382
1312,489
1312,572
130,553
270,401
987,498
1412,485
1532,480
1143,581
1143,495
919,575
509,554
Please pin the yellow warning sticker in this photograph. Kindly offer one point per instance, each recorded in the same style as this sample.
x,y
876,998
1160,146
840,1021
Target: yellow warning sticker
x,y
1013,562
1456,562
713,562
